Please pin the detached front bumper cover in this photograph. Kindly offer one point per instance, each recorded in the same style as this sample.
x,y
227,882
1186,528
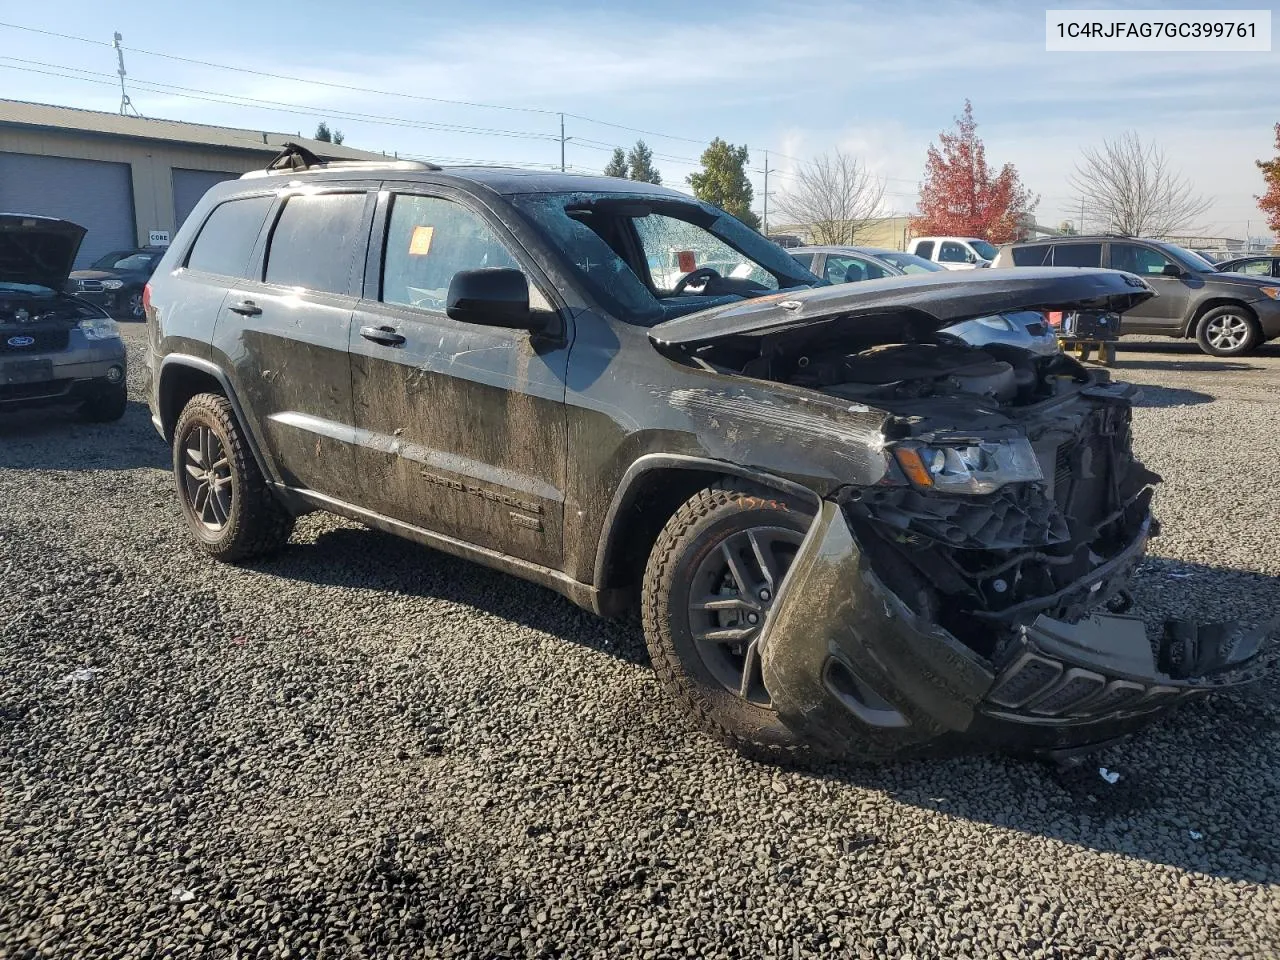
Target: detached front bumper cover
x,y
852,668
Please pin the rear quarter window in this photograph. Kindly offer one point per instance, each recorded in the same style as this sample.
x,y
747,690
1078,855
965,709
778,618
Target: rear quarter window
x,y
925,249
315,242
226,240
1077,255
1034,255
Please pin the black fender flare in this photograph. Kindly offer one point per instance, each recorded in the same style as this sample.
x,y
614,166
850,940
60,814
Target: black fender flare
x,y
175,361
1212,303
625,494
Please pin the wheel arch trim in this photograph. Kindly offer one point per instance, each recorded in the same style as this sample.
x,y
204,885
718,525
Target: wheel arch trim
x,y
630,485
174,362
1213,303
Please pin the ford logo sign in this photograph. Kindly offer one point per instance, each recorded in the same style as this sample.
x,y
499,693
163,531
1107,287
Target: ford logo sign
x,y
21,341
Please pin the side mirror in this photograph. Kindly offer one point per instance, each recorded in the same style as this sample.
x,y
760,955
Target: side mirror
x,y
1171,270
492,297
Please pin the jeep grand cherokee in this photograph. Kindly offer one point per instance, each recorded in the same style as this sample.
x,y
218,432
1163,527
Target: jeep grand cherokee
x,y
843,530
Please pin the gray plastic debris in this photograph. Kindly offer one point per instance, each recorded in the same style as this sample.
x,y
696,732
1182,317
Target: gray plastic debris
x,y
80,675
1111,776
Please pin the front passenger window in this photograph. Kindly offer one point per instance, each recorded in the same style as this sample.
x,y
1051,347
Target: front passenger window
x,y
428,241
952,253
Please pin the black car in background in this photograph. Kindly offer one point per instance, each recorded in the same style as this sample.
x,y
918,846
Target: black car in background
x,y
115,281
1228,314
1255,266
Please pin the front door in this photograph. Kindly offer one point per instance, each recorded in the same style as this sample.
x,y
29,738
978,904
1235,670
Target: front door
x,y
1165,312
461,427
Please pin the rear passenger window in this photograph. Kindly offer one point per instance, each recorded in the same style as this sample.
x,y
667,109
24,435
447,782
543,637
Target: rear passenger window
x,y
315,242
925,250
428,241
226,240
1032,255
1077,255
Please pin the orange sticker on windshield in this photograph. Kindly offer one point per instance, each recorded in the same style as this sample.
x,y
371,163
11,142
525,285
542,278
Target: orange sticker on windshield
x,y
686,261
420,242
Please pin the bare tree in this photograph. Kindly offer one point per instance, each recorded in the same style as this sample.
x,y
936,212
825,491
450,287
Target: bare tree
x,y
1129,188
835,197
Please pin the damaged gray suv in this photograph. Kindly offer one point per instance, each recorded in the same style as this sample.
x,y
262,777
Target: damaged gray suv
x,y
845,531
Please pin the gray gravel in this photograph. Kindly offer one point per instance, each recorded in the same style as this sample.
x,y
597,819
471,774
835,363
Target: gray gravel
x,y
365,749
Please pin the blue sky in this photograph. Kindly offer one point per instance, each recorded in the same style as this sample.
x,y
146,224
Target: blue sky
x,y
877,79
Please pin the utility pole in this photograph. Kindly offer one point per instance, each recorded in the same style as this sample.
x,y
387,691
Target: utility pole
x,y
765,219
563,141
126,105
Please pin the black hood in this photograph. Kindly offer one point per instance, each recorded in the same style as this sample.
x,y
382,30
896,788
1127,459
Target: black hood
x,y
38,250
922,304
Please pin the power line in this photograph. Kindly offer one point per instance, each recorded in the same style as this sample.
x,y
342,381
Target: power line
x,y
235,99
358,89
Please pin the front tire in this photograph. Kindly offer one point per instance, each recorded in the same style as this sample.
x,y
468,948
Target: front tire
x,y
709,582
226,502
1228,331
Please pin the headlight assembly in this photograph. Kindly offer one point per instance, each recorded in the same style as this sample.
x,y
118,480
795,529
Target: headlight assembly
x,y
976,468
112,284
99,328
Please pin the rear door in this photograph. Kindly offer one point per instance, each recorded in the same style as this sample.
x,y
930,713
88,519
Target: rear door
x,y
461,426
1163,313
285,333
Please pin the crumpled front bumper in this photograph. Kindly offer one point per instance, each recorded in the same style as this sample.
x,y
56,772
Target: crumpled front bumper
x,y
857,672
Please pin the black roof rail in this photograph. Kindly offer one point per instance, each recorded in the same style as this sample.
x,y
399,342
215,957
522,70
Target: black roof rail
x,y
295,158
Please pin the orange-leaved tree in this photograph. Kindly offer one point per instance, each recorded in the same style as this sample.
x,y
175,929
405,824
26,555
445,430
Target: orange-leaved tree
x,y
963,196
1269,202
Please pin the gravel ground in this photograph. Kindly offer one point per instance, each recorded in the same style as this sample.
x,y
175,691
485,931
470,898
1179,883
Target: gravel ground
x,y
366,749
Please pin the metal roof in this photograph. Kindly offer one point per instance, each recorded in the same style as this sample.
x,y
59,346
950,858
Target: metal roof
x,y
19,113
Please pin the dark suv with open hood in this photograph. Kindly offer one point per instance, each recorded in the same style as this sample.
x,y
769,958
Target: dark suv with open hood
x,y
54,348
843,531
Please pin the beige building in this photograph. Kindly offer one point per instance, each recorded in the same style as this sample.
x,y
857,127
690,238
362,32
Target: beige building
x,y
124,179
888,233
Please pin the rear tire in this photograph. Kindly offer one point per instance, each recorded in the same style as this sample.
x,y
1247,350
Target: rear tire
x,y
108,406
226,502
1228,331
682,575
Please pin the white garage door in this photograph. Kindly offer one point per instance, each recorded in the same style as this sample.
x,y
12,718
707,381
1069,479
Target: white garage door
x,y
92,193
189,186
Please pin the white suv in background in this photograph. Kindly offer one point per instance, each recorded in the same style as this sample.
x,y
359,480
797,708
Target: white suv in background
x,y
954,253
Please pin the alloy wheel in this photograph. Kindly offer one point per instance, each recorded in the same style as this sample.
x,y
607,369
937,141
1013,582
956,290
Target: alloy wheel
x,y
1227,332
206,477
732,591
136,310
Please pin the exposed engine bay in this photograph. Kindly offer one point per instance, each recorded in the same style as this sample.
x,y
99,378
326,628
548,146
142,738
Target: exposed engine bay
x,y
22,309
980,562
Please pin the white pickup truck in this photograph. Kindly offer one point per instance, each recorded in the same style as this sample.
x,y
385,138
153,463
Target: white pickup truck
x,y
954,253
